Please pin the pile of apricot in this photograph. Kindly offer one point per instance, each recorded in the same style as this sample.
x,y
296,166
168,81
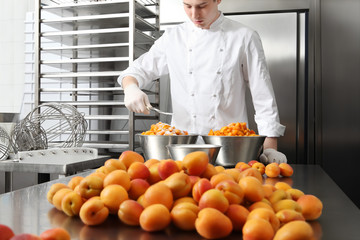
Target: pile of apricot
x,y
233,129
192,195
161,128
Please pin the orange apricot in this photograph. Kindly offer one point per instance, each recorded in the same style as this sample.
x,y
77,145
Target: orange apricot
x,y
272,170
155,217
231,190
195,163
129,212
257,229
53,189
251,172
200,187
138,170
184,214
238,215
93,212
158,193
295,230
311,206
112,196
267,215
128,157
214,198
138,187
220,177
253,190
119,177
74,181
213,224
286,170
90,186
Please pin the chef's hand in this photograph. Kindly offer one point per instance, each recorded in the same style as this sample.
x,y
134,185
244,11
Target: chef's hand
x,y
136,100
270,155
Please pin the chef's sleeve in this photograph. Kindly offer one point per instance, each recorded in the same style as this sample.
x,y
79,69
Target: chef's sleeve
x,y
150,65
256,72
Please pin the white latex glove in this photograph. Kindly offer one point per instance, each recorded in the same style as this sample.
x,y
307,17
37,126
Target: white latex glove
x,y
270,155
136,100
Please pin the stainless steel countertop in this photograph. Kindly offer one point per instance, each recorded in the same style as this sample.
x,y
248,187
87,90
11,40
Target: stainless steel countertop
x,y
27,211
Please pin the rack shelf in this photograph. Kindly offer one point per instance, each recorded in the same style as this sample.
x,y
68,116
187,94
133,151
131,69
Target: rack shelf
x,y
82,49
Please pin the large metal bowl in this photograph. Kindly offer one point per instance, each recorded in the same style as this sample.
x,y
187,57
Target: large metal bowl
x,y
236,148
179,151
154,146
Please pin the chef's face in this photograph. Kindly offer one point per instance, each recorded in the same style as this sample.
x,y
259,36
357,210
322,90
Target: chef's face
x,y
202,12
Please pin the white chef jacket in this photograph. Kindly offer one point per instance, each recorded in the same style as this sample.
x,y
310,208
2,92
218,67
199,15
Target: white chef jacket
x,y
209,71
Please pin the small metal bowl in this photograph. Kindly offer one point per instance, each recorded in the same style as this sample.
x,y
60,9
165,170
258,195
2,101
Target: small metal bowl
x,y
236,148
154,146
179,151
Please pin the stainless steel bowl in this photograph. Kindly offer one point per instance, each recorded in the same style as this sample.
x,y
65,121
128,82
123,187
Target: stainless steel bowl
x,y
236,148
179,151
154,146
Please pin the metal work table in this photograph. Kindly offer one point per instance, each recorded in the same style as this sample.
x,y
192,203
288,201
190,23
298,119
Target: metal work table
x,y
63,162
27,211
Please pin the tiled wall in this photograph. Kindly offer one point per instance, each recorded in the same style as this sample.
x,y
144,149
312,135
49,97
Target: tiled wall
x,y
12,53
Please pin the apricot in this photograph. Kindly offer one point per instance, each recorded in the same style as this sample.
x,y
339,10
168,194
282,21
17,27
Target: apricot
x,y
231,190
184,199
90,186
268,190
257,229
214,180
251,172
209,171
75,181
272,170
71,203
195,163
53,189
294,193
98,174
235,173
57,233
138,187
154,174
282,185
242,166
128,157
5,232
252,162
179,184
219,168
214,198
93,212
155,217
158,193
166,168
112,196
288,215
260,204
150,162
58,197
286,204
253,190
311,206
267,215
193,180
213,224
119,177
286,170
295,230
114,164
200,187
104,170
237,215
138,170
25,236
278,195
184,214
129,212
260,167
